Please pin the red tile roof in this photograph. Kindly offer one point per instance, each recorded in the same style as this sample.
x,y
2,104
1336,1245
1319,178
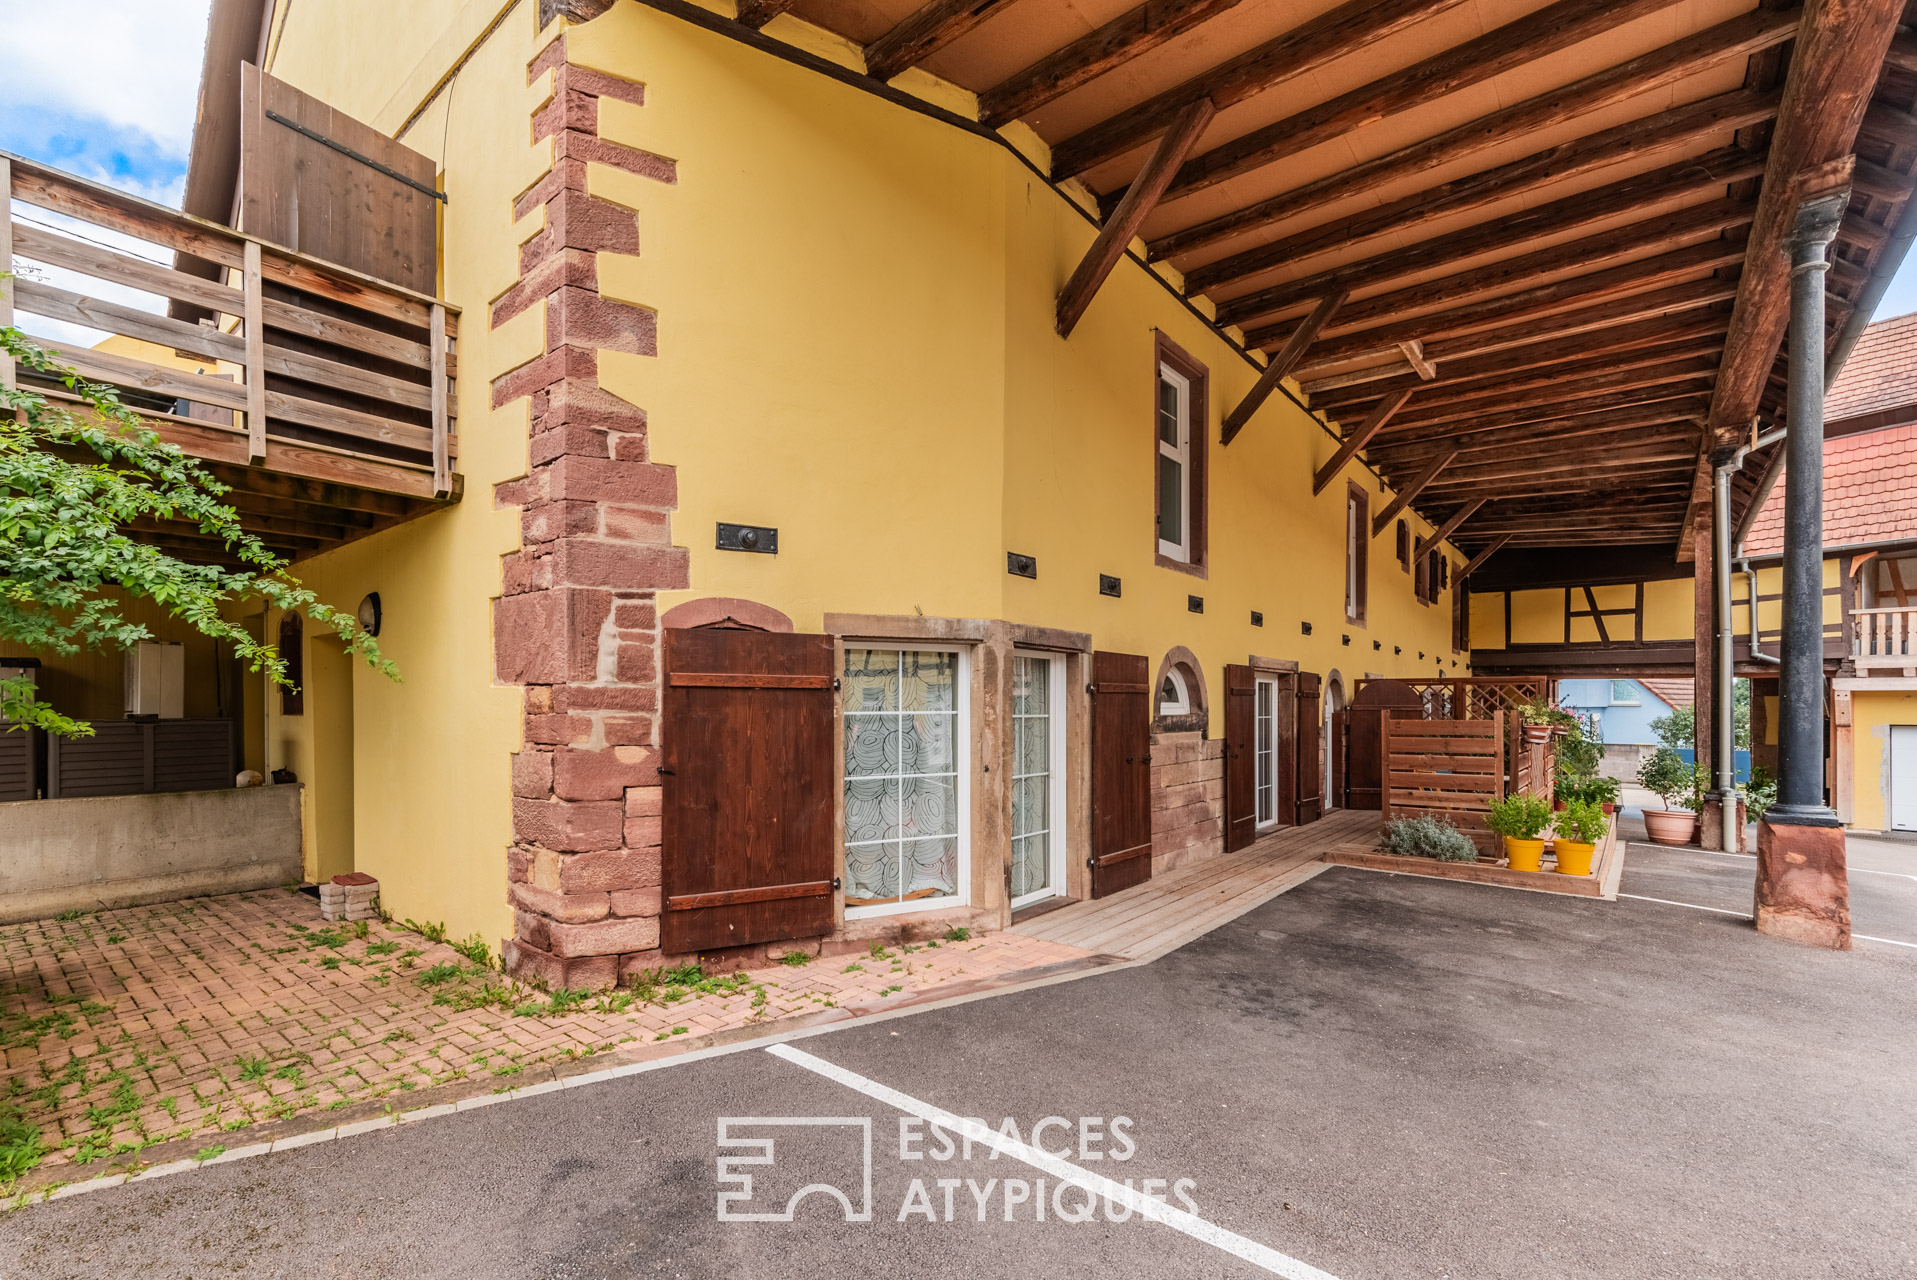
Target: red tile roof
x,y
1678,693
1870,478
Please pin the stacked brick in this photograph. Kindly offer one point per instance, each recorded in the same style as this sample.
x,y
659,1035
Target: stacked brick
x,y
353,896
576,623
1188,799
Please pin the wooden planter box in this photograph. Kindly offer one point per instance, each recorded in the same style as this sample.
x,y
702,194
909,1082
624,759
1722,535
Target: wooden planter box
x,y
1606,866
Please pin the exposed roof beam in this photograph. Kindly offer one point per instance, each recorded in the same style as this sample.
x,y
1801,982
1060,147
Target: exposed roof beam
x,y
1496,544
756,13
1357,440
1606,147
1697,369
1398,454
1092,55
1281,364
1741,36
1581,294
1634,194
1524,40
1834,65
929,29
1449,527
1571,406
1663,231
1632,459
1349,27
1402,497
1139,201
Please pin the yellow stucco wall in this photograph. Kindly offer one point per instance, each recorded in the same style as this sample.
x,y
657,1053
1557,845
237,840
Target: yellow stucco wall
x,y
889,392
855,345
1872,713
431,782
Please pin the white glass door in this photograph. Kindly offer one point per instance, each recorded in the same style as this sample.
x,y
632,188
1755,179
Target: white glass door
x,y
1038,778
1265,752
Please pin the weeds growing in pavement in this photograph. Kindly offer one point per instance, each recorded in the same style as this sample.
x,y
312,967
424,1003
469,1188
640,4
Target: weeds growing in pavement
x,y
476,950
958,933
795,959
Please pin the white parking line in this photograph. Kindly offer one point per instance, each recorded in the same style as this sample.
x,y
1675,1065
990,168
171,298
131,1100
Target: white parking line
x,y
1116,1192
1745,915
1751,857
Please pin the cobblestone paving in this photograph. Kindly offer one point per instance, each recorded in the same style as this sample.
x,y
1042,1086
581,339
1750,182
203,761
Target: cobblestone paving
x,y
120,1029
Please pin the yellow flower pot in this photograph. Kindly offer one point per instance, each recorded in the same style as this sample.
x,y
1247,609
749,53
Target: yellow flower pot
x,y
1574,859
1524,855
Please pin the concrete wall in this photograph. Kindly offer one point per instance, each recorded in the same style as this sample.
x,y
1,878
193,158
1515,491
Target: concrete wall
x,y
122,851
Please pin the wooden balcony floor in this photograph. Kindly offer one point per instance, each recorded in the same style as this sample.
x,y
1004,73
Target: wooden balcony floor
x,y
1168,911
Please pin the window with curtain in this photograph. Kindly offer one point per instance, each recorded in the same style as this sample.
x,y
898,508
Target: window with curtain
x,y
903,753
1032,777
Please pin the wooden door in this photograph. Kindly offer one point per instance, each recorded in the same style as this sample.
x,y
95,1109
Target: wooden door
x,y
748,785
1311,765
1340,726
1121,772
1241,756
1364,737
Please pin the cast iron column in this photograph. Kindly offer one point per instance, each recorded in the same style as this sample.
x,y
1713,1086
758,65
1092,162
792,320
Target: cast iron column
x,y
1800,731
1803,885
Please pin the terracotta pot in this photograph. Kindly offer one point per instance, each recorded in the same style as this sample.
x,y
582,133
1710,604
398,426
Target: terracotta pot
x,y
1609,808
1557,806
1670,826
1537,734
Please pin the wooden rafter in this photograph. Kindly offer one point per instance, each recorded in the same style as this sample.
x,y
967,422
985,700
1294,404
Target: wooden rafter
x,y
1491,548
1526,39
1297,52
1402,497
929,29
1357,440
756,13
1131,213
1288,358
1739,37
1449,527
1130,35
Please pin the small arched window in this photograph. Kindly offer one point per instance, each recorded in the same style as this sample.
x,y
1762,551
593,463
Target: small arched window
x,y
1174,695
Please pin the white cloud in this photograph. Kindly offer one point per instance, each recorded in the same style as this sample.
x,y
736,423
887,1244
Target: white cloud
x,y
133,62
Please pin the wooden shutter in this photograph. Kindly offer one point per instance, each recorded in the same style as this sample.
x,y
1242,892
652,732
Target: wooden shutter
x,y
318,181
1241,757
748,785
1311,765
1340,728
1121,772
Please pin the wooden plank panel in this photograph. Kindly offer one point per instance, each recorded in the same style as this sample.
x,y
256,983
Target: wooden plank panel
x,y
332,417
131,322
106,264
1241,783
1121,772
129,371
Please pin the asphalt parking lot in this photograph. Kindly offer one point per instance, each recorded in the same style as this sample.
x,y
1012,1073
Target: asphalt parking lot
x,y
1371,1075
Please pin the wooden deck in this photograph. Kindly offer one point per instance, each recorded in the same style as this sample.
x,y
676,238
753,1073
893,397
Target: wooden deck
x,y
1168,911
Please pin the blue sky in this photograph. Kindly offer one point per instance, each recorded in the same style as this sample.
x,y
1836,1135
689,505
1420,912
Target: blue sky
x,y
108,89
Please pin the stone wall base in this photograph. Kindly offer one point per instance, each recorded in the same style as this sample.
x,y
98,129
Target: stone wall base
x,y
1188,799
1803,887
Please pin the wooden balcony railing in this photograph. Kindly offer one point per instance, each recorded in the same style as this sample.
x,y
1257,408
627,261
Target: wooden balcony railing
x,y
1884,639
304,369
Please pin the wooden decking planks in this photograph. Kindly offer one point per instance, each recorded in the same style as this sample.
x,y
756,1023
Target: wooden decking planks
x,y
1170,910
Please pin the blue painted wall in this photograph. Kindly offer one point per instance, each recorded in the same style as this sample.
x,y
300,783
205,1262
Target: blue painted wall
x,y
1619,723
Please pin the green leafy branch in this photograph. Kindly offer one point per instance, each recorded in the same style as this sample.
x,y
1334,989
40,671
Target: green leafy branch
x,y
74,482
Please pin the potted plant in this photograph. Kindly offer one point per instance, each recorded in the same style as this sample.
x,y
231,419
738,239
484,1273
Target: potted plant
x,y
1521,820
1605,791
1579,828
1429,837
1673,780
1540,720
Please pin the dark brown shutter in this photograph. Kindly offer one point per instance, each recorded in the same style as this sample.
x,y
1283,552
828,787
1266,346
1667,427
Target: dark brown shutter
x,y
748,840
1241,757
1311,773
1121,772
293,654
1340,728
318,181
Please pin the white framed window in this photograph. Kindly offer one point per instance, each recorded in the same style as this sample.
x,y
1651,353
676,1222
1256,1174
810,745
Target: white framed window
x,y
1624,693
1174,695
907,778
1357,551
1174,464
1038,777
1264,766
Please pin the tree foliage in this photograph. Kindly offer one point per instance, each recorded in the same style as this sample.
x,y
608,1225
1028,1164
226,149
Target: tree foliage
x,y
72,482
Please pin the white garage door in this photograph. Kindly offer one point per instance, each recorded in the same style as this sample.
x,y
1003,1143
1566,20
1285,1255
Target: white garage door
x,y
1903,777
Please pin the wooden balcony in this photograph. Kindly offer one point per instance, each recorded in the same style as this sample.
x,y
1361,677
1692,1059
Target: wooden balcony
x,y
325,398
1884,641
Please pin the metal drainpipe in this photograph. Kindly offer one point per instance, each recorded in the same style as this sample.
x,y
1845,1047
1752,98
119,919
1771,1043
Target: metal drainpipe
x,y
1729,837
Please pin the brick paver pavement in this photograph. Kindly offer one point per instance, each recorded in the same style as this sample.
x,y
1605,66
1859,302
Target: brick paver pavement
x,y
122,1029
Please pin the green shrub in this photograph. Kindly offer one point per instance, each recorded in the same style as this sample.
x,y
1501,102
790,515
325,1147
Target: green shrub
x,y
1520,817
1582,822
1667,774
1429,837
1761,794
